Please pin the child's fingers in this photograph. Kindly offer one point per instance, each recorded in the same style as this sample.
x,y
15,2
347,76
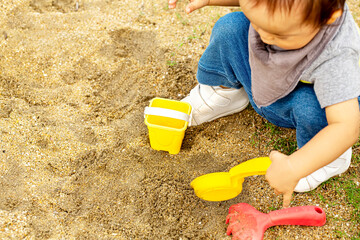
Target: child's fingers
x,y
189,8
193,6
287,199
172,4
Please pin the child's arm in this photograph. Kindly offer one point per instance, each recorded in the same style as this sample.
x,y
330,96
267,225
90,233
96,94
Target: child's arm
x,y
196,4
332,141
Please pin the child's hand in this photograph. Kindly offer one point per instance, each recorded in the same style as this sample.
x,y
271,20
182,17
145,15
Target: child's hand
x,y
193,5
281,176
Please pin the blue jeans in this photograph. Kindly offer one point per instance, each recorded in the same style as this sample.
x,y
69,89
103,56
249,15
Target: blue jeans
x,y
226,62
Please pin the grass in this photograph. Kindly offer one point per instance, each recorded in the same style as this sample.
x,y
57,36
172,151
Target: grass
x,y
281,139
171,63
199,31
352,189
183,21
347,185
353,195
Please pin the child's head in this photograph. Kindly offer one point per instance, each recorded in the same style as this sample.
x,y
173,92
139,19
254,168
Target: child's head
x,y
290,24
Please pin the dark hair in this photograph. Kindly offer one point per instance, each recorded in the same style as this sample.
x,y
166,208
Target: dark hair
x,y
316,12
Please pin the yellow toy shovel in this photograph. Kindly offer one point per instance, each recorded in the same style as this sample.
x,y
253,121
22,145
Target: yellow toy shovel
x,y
221,186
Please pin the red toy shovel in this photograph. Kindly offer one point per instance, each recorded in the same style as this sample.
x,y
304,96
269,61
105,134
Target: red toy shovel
x,y
247,223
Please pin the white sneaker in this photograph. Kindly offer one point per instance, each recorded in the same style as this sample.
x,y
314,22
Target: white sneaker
x,y
209,103
321,175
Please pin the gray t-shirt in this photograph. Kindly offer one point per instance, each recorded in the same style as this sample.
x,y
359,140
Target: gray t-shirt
x,y
336,72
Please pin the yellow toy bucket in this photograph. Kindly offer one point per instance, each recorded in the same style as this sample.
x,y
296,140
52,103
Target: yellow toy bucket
x,y
167,121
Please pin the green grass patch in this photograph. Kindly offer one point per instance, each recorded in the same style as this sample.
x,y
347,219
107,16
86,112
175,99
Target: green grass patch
x,y
352,190
281,139
181,19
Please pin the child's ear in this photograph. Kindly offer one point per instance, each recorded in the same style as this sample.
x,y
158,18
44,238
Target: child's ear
x,y
335,15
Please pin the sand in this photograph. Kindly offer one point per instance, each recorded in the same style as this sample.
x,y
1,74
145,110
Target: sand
x,y
75,158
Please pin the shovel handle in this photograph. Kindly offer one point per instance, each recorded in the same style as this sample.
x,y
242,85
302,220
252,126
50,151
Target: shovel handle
x,y
303,215
256,166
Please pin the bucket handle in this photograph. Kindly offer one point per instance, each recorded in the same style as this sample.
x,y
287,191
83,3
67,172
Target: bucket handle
x,y
164,112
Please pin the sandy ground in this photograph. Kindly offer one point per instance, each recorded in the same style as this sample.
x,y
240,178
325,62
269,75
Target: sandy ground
x,y
75,159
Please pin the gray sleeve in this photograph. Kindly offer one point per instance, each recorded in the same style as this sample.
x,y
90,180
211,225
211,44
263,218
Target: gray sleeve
x,y
338,79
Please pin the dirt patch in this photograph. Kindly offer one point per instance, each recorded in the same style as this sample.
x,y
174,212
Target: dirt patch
x,y
63,6
75,77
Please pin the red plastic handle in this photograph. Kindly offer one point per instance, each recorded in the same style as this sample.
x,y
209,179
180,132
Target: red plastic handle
x,y
303,215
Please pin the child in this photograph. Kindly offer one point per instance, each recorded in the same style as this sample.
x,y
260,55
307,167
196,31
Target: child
x,y
297,63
